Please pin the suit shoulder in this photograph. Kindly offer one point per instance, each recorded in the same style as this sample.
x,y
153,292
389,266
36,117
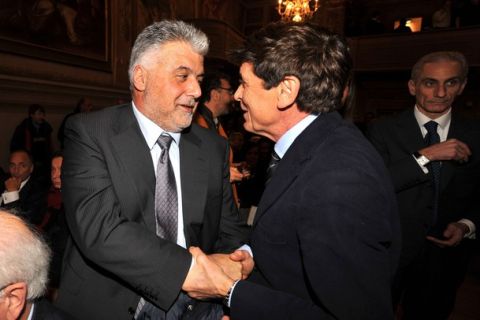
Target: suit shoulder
x,y
207,134
103,116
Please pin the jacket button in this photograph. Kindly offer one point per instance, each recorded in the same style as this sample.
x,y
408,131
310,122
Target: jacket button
x,y
190,307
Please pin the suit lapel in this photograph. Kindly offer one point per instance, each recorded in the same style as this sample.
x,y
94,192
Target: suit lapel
x,y
194,179
295,159
409,132
134,155
459,131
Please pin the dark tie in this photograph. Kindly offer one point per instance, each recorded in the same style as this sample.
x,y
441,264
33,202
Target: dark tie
x,y
272,166
432,137
166,214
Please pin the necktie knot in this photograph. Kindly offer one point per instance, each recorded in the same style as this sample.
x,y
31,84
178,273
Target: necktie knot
x,y
275,159
431,126
164,141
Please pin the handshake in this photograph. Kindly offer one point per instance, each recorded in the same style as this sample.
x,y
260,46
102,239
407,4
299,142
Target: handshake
x,y
212,276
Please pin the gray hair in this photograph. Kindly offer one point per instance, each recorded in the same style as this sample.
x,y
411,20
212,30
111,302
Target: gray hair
x,y
24,255
159,33
441,56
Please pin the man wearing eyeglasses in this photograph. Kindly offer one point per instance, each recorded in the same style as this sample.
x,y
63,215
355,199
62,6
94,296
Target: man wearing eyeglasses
x,y
216,99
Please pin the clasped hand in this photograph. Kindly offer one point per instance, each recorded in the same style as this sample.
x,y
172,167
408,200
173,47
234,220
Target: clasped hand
x,y
213,275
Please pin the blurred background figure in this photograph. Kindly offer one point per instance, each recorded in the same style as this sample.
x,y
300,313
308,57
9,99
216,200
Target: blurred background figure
x,y
55,226
442,17
83,105
34,135
22,191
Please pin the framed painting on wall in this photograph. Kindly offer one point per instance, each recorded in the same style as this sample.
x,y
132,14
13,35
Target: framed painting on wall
x,y
73,32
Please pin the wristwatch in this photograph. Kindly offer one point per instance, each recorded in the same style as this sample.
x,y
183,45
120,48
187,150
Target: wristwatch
x,y
421,159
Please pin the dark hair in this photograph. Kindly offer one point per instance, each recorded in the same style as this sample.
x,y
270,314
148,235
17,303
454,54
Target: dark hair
x,y
441,56
211,80
29,155
34,108
57,154
319,58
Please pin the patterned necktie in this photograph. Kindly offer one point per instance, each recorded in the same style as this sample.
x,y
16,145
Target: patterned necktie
x,y
272,166
166,211
432,137
166,201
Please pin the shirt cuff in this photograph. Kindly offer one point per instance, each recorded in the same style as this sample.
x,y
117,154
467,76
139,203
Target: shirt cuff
x,y
247,248
10,196
471,227
424,169
230,293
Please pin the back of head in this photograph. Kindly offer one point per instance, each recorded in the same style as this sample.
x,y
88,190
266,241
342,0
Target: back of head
x,y
211,80
159,33
24,255
440,56
319,58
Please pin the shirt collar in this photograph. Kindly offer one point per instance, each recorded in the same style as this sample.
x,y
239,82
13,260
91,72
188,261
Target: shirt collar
x,y
442,121
150,130
289,137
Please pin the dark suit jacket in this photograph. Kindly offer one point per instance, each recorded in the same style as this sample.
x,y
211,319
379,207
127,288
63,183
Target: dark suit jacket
x,y
43,310
326,233
108,188
32,202
396,139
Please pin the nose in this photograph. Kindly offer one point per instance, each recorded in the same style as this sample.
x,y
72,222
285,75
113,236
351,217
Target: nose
x,y
194,89
238,93
441,91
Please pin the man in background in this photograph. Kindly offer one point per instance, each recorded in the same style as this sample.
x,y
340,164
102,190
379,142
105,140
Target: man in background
x,y
432,154
23,191
216,101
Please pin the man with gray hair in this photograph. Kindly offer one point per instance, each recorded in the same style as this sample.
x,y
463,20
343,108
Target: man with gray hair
x,y
432,153
141,184
24,261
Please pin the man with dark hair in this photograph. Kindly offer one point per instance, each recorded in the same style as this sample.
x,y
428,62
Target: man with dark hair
x,y
22,191
34,135
326,232
216,100
140,184
432,154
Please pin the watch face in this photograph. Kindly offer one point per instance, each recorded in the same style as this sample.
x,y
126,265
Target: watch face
x,y
423,160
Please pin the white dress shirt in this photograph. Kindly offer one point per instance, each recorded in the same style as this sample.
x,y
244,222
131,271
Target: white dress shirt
x,y
151,131
10,196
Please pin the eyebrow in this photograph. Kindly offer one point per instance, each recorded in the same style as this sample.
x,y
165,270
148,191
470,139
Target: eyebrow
x,y
185,68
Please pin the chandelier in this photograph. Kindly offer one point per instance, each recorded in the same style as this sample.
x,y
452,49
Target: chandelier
x,y
296,10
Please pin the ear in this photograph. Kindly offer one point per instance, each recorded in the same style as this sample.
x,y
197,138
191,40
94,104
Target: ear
x,y
140,76
462,87
288,91
214,94
345,94
14,299
412,88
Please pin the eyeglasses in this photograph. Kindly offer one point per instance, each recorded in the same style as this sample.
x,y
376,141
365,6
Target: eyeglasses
x,y
229,90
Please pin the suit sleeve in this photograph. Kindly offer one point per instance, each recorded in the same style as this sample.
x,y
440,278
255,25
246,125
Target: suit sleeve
x,y
404,171
111,242
233,232
345,229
